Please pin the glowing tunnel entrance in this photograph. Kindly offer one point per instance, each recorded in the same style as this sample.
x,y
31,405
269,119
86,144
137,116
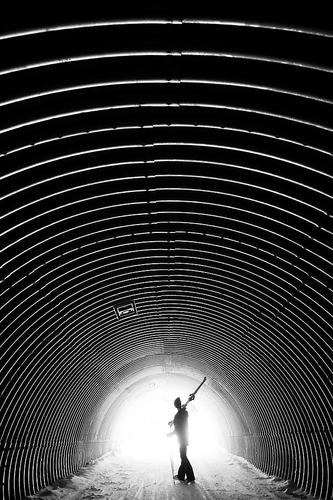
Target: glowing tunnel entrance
x,y
135,421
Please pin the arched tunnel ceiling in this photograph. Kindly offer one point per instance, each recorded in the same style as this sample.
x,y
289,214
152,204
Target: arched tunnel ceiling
x,y
166,204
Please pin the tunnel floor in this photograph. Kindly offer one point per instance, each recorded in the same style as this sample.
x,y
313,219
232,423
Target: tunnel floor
x,y
218,476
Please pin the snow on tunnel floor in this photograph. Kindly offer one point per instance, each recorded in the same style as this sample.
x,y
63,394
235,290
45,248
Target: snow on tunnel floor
x,y
129,477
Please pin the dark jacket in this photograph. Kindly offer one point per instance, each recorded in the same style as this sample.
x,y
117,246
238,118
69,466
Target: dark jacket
x,y
181,426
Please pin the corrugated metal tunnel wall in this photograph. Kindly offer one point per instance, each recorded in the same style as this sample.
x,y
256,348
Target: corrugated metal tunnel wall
x,y
166,214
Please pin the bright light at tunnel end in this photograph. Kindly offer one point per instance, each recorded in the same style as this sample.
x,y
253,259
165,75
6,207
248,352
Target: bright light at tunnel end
x,y
145,427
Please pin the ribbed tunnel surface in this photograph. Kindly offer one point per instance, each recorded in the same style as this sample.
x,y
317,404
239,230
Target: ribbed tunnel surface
x,y
166,214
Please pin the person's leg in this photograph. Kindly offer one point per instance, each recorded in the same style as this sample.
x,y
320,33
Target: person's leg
x,y
189,471
181,470
185,468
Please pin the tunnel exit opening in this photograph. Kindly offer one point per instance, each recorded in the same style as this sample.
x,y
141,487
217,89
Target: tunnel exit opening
x,y
146,428
135,421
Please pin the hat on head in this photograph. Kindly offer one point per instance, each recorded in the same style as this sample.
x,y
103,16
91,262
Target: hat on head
x,y
177,402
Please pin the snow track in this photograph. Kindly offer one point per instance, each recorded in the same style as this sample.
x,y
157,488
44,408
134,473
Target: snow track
x,y
124,477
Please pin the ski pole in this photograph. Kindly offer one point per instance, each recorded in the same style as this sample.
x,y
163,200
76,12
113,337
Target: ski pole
x,y
171,458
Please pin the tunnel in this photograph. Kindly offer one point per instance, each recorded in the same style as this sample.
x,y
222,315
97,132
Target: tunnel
x,y
166,215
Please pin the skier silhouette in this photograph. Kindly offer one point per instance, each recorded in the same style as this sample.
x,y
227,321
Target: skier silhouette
x,y
180,423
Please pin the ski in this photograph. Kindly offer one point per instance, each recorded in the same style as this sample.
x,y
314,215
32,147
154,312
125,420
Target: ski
x,y
192,395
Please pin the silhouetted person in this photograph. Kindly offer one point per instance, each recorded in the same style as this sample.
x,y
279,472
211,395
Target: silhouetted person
x,y
180,422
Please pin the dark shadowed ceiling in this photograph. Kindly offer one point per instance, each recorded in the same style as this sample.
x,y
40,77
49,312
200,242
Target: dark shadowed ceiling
x,y
166,214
